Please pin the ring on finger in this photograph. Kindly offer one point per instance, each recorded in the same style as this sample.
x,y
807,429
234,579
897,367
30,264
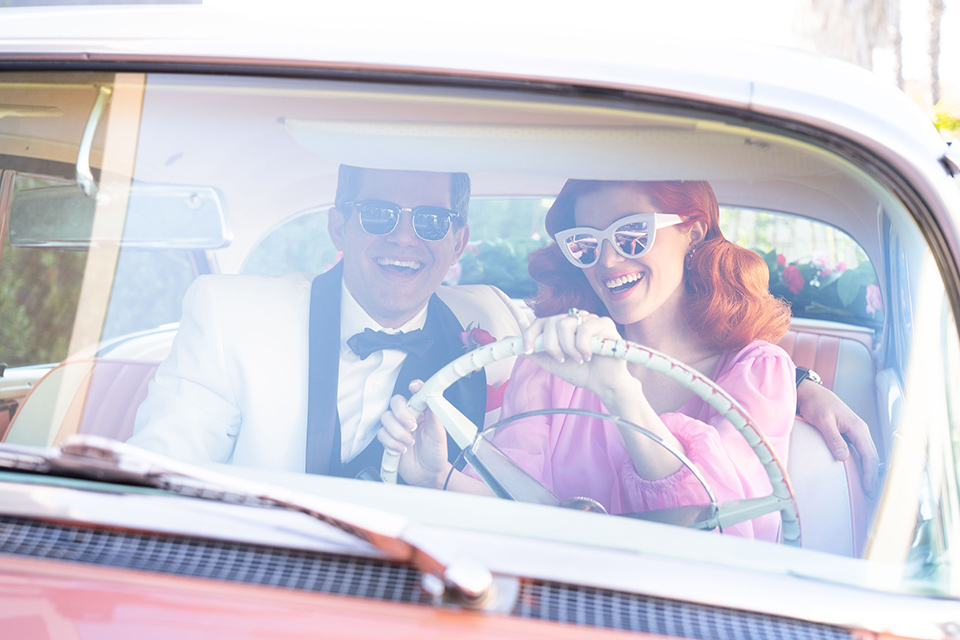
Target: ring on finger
x,y
577,313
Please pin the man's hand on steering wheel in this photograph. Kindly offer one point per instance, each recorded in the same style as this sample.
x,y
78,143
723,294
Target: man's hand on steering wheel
x,y
421,442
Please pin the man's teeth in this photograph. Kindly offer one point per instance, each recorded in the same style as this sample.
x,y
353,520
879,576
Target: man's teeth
x,y
622,280
407,264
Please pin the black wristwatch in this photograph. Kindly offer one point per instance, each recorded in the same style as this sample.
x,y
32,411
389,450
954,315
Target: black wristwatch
x,y
807,374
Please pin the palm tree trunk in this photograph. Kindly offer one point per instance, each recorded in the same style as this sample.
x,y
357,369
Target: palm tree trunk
x,y
936,17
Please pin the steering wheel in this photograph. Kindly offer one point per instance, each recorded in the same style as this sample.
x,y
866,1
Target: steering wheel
x,y
463,432
508,480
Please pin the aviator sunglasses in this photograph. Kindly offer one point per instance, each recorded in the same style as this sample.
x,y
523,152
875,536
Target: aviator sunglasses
x,y
631,236
380,218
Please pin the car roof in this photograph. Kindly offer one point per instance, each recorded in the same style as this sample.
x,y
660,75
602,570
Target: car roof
x,y
772,80
845,106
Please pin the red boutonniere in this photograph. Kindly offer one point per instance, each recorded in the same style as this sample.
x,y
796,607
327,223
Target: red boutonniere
x,y
475,337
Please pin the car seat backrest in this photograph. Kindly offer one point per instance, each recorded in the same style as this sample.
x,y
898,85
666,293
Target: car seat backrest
x,y
844,361
834,509
834,512
90,396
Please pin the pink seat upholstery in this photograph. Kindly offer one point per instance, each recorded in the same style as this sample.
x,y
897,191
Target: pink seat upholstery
x,y
117,387
7,410
96,396
834,510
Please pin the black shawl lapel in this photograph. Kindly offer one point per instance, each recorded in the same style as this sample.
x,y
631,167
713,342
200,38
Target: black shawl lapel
x,y
468,394
323,421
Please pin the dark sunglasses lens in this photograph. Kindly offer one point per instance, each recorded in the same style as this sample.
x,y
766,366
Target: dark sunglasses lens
x,y
431,223
584,248
633,238
378,218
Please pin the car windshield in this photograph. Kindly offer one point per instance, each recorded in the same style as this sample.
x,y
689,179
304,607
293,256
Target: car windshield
x,y
216,269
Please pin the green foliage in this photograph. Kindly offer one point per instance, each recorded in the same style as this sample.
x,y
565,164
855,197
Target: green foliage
x,y
817,290
148,290
507,218
947,119
504,231
39,292
502,263
300,244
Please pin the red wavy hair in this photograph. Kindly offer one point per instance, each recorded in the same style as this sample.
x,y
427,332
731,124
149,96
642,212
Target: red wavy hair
x,y
729,302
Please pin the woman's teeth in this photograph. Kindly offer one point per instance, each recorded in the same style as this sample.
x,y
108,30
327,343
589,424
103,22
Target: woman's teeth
x,y
623,282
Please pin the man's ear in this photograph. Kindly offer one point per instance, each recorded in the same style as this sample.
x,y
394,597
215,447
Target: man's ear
x,y
336,222
461,237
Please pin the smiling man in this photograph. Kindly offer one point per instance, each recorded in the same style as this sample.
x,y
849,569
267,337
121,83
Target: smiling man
x,y
293,373
378,222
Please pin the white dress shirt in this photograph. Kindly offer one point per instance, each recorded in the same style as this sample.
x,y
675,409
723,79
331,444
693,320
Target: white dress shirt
x,y
364,387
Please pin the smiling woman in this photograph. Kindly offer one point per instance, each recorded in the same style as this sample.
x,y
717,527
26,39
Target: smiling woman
x,y
691,295
218,275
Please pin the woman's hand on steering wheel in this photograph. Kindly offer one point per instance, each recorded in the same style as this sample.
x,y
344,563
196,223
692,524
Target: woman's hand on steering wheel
x,y
567,352
421,442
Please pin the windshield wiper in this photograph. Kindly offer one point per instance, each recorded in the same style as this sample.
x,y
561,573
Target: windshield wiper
x,y
447,573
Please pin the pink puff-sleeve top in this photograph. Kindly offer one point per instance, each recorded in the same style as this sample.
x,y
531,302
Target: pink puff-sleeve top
x,y
576,456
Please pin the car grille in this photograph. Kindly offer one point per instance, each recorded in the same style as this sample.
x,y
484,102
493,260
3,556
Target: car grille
x,y
219,560
632,612
375,579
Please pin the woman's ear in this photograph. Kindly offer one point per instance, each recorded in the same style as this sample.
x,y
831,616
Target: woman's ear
x,y
697,232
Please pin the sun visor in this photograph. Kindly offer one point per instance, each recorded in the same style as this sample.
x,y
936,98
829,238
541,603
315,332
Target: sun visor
x,y
597,152
157,217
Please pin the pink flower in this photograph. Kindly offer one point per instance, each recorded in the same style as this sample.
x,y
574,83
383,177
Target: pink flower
x,y
874,301
781,259
827,271
840,267
793,278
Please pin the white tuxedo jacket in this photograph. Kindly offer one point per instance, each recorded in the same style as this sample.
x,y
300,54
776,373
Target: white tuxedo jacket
x,y
234,387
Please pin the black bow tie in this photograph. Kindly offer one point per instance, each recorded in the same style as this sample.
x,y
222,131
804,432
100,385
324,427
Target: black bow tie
x,y
413,342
